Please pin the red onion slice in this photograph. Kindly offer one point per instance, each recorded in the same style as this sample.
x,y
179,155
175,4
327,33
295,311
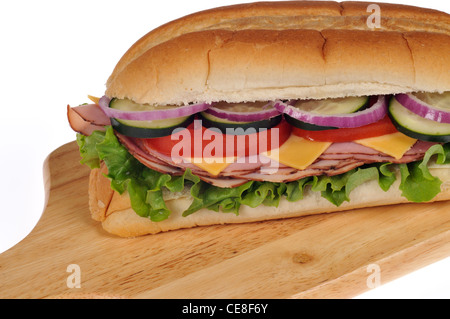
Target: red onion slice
x,y
423,109
267,111
151,115
370,115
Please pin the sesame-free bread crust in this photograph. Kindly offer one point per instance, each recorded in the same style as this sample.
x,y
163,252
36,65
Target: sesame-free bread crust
x,y
285,50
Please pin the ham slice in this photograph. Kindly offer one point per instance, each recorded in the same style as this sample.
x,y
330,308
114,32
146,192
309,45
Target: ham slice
x,y
87,118
342,151
284,175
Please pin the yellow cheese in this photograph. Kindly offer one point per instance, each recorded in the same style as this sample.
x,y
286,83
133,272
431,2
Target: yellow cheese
x,y
395,144
298,152
214,166
94,99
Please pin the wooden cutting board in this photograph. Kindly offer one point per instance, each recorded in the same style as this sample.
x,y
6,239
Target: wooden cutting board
x,y
336,255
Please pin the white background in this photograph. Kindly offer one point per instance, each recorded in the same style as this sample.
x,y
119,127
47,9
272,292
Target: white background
x,y
54,53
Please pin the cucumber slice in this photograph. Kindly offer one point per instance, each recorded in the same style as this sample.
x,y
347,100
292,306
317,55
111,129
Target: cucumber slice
x,y
306,126
238,128
128,105
145,129
437,100
156,124
416,126
241,107
148,129
344,105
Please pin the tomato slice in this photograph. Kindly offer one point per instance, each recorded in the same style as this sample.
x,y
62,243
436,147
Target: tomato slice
x,y
382,127
198,141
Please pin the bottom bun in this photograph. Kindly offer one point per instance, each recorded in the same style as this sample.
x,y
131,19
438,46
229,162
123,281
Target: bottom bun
x,y
117,216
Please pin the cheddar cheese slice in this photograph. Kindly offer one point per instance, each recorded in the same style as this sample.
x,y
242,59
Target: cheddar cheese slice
x,y
94,99
213,166
395,144
298,152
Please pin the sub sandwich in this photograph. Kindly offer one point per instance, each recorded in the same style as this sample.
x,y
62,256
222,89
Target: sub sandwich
x,y
270,110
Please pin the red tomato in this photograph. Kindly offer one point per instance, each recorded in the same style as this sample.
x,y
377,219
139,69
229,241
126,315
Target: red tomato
x,y
382,127
198,141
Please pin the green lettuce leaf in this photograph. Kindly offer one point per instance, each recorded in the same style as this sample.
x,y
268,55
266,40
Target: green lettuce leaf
x,y
294,190
216,198
386,175
337,189
417,184
87,146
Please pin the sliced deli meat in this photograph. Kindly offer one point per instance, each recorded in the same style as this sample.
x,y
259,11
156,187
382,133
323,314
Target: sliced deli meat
x,y
346,150
87,118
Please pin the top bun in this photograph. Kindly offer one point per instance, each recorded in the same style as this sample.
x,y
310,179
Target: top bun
x,y
286,50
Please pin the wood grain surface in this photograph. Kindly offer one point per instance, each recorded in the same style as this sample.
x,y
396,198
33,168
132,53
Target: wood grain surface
x,y
324,256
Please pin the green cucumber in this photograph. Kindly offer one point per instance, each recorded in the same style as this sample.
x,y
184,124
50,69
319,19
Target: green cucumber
x,y
438,100
416,126
345,105
306,126
129,105
144,129
238,128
